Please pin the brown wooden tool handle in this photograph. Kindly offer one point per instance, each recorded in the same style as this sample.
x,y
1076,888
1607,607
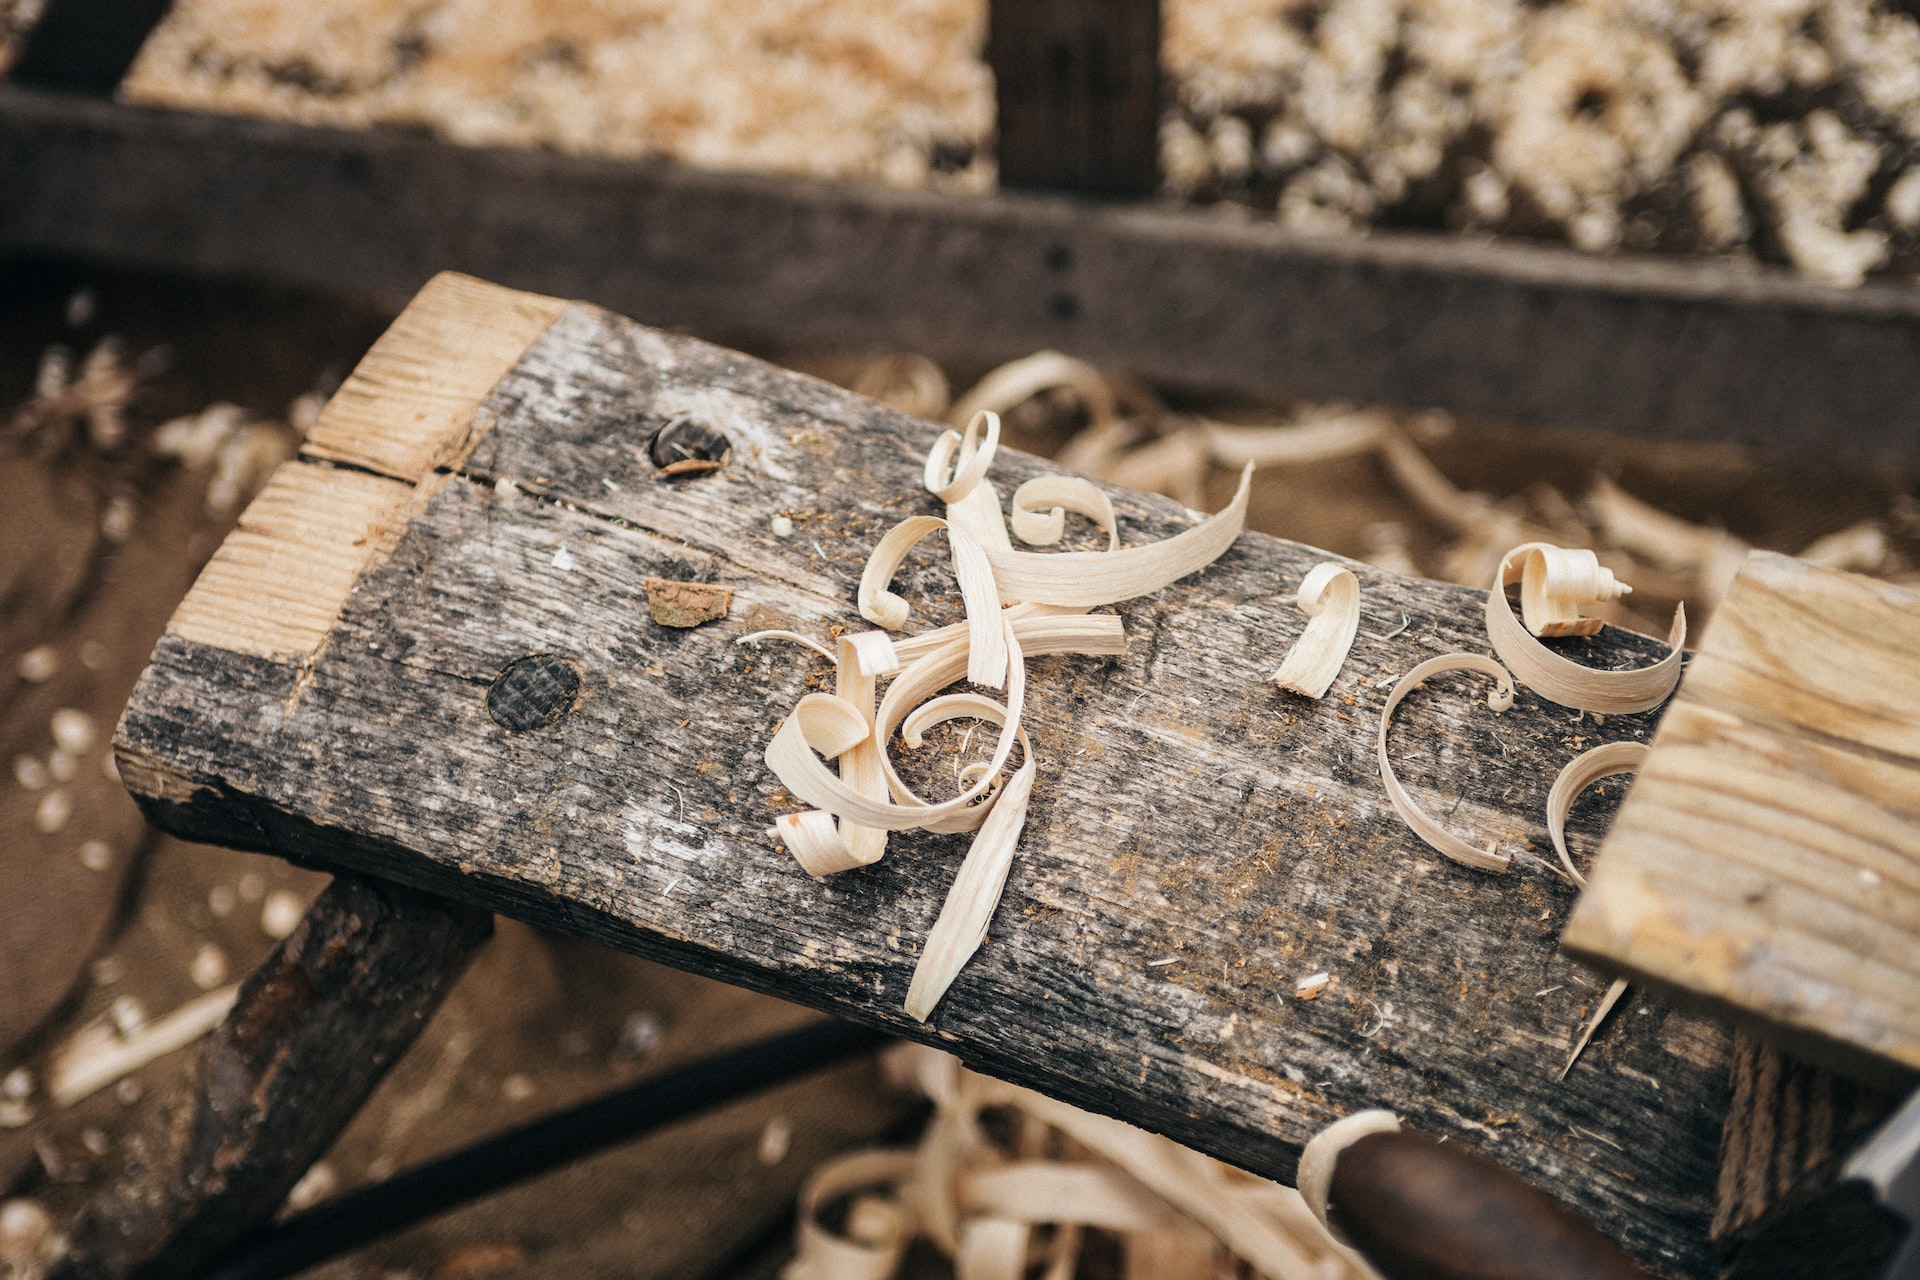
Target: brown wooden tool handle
x,y
1422,1210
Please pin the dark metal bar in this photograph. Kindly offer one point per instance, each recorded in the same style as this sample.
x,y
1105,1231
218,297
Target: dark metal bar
x,y
361,1217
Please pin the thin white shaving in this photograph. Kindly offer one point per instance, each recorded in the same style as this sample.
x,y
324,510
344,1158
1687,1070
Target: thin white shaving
x,y
1040,509
794,637
1578,774
1562,680
854,809
1410,813
1330,597
1315,1174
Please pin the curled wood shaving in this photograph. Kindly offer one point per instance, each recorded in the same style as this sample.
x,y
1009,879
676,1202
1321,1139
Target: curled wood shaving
x,y
982,1199
1561,679
1339,437
1317,1158
854,809
1426,828
1023,379
1330,597
1088,578
1040,509
1580,773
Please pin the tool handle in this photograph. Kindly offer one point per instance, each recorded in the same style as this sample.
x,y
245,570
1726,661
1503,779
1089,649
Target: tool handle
x,y
1422,1210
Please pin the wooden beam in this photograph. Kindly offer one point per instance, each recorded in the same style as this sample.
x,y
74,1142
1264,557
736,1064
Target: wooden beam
x,y
1784,1212
85,46
315,1028
1184,298
1199,841
1767,860
1077,92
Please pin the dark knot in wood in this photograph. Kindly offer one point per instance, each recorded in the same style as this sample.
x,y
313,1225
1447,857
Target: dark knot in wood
x,y
533,692
684,447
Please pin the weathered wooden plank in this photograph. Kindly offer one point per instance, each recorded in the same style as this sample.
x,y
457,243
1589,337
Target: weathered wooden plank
x,y
1181,297
314,1029
1768,859
1076,87
1784,1213
1199,841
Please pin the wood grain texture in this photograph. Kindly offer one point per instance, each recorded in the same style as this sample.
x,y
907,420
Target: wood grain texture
x,y
1783,1213
314,1029
1768,859
1198,842
408,406
1512,331
277,583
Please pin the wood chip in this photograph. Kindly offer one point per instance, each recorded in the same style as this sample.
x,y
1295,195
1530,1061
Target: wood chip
x,y
1330,597
686,604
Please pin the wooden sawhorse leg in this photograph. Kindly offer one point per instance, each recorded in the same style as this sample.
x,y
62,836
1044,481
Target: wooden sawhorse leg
x,y
314,1029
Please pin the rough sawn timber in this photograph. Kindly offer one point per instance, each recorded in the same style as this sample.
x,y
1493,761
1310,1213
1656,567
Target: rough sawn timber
x,y
1199,841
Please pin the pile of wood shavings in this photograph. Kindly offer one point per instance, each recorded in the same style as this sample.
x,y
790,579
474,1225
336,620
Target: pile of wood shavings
x,y
1017,603
894,93
1788,132
1000,1207
1119,431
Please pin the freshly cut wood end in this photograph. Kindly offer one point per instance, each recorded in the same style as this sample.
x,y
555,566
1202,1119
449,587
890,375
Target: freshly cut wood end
x,y
277,584
408,406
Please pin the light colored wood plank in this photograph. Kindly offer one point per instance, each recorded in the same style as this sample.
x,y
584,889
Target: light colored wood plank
x,y
408,406
1767,859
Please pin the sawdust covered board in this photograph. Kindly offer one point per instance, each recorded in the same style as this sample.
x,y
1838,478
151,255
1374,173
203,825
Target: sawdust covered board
x,y
1199,841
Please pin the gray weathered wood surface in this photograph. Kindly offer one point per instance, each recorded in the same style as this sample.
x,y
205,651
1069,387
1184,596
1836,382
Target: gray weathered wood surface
x,y
1182,297
1198,841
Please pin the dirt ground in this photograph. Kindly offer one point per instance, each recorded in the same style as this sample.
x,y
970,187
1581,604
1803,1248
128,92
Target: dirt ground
x,y
103,524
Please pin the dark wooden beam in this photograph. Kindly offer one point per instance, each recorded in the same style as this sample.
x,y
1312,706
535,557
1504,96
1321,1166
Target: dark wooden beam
x,y
1184,298
85,46
1077,89
1784,1212
314,1029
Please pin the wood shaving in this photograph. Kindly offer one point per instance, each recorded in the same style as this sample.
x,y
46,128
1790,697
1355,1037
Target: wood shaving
x,y
686,604
1578,774
1426,828
99,1054
1322,1152
1543,570
984,1201
1016,604
1330,597
1617,989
